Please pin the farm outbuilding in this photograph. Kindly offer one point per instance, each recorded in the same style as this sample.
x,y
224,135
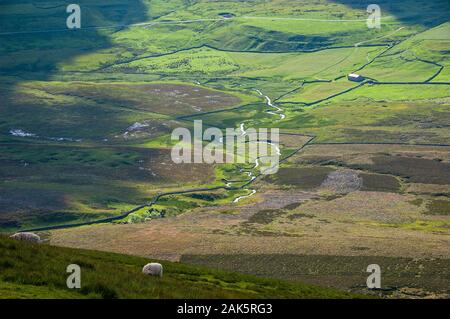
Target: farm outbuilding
x,y
355,77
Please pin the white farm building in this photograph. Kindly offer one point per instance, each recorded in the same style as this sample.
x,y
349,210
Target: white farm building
x,y
355,77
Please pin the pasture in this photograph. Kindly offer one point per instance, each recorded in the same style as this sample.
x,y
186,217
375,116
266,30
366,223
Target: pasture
x,y
86,118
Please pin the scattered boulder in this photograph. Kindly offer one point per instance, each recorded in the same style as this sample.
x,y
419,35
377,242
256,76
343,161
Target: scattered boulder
x,y
153,269
26,237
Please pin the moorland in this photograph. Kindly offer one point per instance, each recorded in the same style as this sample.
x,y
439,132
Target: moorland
x,y
86,119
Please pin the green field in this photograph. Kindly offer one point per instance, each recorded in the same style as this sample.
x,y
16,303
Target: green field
x,y
126,80
86,118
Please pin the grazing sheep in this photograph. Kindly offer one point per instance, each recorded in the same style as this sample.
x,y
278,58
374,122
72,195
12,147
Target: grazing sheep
x,y
27,237
153,269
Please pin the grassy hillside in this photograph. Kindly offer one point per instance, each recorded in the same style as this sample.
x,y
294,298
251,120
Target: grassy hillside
x,y
39,271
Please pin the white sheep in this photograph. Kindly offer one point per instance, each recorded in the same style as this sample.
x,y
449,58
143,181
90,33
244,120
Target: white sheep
x,y
153,269
26,237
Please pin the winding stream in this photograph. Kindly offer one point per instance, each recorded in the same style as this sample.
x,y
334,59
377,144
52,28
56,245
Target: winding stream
x,y
250,174
253,192
278,110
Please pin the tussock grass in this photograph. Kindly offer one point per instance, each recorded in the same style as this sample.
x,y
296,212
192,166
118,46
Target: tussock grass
x,y
39,271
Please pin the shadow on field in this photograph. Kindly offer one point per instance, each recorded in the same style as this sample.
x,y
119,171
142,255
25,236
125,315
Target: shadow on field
x,y
428,13
34,41
39,29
